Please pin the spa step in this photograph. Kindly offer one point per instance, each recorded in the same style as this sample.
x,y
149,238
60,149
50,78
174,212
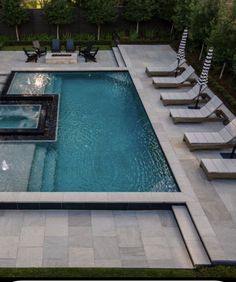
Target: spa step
x,y
190,235
3,79
118,57
36,176
49,170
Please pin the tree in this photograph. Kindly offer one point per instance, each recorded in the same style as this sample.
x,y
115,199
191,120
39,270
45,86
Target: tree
x,y
182,14
59,12
13,14
139,11
204,16
99,12
223,39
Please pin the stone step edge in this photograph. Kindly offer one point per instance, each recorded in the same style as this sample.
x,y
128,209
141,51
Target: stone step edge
x,y
118,57
197,252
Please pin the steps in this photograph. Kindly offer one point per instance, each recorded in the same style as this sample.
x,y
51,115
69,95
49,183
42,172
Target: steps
x,y
36,175
119,59
49,170
190,235
3,79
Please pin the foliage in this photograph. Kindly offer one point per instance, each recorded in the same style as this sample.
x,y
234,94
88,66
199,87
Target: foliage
x,y
165,9
223,37
40,37
100,11
203,18
13,12
59,12
140,10
182,14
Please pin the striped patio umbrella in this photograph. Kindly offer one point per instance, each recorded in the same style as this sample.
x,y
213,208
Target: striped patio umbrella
x,y
182,45
203,79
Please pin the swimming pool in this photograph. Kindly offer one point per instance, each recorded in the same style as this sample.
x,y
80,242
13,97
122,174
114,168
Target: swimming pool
x,y
105,142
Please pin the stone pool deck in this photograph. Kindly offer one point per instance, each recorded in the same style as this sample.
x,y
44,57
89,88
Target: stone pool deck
x,y
212,205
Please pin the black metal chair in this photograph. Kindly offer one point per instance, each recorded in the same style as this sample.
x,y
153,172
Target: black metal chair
x,y
31,56
85,48
39,49
56,45
90,56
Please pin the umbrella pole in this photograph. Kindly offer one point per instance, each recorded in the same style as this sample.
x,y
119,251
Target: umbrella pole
x,y
197,100
176,71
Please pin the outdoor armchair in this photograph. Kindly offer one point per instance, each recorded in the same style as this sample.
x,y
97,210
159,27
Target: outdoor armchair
x,y
39,49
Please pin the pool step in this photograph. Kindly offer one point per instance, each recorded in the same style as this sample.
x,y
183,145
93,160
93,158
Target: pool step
x,y
119,59
49,170
36,175
190,235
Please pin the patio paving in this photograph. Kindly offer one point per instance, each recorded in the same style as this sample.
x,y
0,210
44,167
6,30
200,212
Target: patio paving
x,y
91,239
217,197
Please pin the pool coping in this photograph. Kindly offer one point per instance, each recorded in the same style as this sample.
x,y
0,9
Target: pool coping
x,y
108,200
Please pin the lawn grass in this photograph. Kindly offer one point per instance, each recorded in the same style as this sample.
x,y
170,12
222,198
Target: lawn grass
x,y
203,272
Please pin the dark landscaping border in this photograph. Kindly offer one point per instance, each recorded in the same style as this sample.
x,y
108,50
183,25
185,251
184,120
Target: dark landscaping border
x,y
216,272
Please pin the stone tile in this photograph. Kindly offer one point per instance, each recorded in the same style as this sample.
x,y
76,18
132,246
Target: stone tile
x,y
106,248
32,236
129,236
79,218
125,218
80,236
108,263
132,253
134,263
8,247
11,223
149,223
167,219
161,263
55,248
34,218
7,263
81,257
56,223
103,223
29,257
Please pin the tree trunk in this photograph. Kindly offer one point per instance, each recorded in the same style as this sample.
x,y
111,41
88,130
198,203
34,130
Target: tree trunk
x,y
137,28
58,32
99,31
222,70
17,33
172,28
200,56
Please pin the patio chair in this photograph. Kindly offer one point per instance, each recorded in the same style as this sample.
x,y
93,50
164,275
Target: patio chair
x,y
219,168
165,70
209,112
56,45
225,138
182,98
31,56
85,48
178,81
90,56
70,46
39,49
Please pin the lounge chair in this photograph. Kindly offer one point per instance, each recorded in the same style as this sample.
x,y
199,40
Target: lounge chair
x,y
70,46
225,138
182,98
209,112
90,56
56,45
38,49
165,70
178,81
219,168
31,56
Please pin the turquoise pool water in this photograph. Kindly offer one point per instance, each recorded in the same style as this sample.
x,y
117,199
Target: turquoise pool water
x,y
105,141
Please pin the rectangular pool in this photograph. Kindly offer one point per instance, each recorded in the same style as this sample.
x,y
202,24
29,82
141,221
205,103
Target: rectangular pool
x,y
105,140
